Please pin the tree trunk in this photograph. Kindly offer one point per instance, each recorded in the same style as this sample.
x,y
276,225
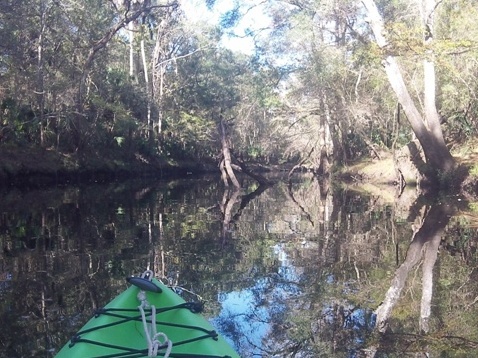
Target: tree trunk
x,y
99,45
223,173
242,167
326,144
40,92
158,68
148,91
226,153
131,48
427,130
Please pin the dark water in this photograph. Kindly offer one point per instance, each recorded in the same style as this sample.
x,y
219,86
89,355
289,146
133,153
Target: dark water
x,y
287,271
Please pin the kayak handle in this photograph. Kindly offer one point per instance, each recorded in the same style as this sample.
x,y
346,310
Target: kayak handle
x,y
144,284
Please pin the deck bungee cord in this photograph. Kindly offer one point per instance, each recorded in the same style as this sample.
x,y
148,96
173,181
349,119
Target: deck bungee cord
x,y
150,331
157,342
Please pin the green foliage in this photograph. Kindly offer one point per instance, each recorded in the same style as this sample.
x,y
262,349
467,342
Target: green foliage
x,y
254,152
317,64
189,136
474,170
462,126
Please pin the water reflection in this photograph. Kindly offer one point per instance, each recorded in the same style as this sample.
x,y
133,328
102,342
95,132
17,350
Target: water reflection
x,y
292,270
427,237
424,246
254,316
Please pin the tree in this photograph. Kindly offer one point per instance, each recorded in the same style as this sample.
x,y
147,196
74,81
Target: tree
x,y
212,92
119,22
455,67
426,127
326,117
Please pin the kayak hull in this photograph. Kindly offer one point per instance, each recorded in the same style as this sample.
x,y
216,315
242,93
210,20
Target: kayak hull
x,y
117,330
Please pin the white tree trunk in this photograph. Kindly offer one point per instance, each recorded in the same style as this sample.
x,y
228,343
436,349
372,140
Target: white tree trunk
x,y
158,68
227,155
131,48
426,128
40,91
431,114
146,85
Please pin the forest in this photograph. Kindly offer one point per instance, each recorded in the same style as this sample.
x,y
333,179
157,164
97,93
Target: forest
x,y
92,91
138,86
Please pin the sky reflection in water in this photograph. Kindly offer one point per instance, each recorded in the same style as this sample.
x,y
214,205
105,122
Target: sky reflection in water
x,y
301,273
250,313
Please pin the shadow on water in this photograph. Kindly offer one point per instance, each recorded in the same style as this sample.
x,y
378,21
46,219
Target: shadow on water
x,y
291,270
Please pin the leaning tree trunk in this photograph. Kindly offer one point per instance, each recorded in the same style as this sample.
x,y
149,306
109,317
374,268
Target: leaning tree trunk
x,y
226,168
427,129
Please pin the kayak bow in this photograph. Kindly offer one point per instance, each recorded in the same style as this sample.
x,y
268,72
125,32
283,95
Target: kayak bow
x,y
147,320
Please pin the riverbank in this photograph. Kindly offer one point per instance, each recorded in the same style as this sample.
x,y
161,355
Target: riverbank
x,y
33,166
378,176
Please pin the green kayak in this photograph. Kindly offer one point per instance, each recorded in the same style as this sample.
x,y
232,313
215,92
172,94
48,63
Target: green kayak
x,y
147,320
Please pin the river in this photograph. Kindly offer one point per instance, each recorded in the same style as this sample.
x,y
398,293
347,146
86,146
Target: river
x,y
293,270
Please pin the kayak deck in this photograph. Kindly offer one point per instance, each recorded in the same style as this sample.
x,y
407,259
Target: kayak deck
x,y
118,330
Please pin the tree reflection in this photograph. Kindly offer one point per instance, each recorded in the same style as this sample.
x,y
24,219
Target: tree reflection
x,y
306,265
229,200
424,245
422,249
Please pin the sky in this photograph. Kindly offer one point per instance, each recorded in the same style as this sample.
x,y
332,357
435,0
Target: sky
x,y
255,19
